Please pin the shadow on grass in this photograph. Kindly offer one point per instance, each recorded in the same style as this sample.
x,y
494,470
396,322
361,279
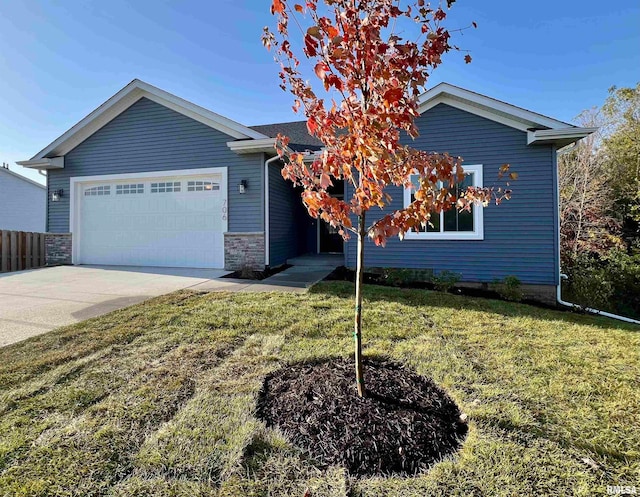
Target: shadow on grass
x,y
446,300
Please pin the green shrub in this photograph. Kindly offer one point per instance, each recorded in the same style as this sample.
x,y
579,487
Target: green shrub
x,y
589,284
623,273
396,277
509,288
610,283
445,280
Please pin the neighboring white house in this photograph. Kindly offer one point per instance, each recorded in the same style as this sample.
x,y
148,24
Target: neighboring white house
x,y
23,203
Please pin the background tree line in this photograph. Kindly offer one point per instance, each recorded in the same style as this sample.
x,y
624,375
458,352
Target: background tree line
x,y
600,207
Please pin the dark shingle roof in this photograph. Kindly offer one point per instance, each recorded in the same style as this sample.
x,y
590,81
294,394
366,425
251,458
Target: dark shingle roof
x,y
299,137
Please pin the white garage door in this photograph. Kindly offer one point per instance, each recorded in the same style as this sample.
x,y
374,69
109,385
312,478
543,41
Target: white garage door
x,y
169,221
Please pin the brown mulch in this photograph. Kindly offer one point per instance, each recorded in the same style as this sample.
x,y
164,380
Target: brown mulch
x,y
404,425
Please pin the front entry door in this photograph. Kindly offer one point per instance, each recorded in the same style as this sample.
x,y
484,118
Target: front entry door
x,y
331,241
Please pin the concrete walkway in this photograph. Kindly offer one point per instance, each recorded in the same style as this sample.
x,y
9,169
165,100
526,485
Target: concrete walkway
x,y
34,302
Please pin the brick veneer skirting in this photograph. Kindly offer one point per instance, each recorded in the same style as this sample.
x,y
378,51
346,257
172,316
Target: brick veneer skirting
x,y
244,250
57,248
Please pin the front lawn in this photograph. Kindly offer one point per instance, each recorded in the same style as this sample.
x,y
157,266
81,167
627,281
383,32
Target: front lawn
x,y
159,399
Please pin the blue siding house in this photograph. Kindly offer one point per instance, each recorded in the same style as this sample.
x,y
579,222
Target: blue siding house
x,y
150,179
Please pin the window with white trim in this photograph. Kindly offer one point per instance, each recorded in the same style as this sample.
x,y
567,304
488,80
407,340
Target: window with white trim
x,y
97,190
166,187
451,224
202,186
129,189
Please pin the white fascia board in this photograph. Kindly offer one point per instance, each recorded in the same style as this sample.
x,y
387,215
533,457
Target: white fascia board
x,y
44,163
559,137
487,107
266,145
124,99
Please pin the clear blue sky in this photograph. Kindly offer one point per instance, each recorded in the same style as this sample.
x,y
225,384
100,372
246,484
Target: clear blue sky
x,y
61,59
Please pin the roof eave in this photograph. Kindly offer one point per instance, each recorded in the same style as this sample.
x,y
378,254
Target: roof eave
x,y
43,163
487,107
126,97
558,137
264,145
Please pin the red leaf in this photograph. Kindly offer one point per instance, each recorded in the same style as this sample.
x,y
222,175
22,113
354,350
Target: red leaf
x,y
277,6
312,126
392,96
321,70
325,181
299,8
311,46
467,59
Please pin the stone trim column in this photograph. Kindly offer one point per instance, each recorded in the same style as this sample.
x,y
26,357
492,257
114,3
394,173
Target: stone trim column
x,y
244,250
57,248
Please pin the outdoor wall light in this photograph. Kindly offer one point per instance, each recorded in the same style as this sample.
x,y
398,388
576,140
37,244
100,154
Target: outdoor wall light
x,y
57,195
242,186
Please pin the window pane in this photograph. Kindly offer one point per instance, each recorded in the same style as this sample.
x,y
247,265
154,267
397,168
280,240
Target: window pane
x,y
465,220
435,221
468,181
451,220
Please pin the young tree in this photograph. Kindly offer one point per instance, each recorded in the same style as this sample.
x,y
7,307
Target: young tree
x,y
621,152
586,198
371,78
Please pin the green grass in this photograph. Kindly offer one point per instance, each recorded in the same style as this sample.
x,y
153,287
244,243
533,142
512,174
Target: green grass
x,y
159,399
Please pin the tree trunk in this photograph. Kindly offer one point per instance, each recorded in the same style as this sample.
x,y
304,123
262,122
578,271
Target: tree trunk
x,y
357,333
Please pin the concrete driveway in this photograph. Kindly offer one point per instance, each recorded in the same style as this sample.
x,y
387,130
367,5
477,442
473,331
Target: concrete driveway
x,y
34,302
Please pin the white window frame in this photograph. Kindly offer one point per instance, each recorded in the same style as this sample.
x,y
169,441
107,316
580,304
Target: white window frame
x,y
129,188
166,186
98,191
202,185
478,215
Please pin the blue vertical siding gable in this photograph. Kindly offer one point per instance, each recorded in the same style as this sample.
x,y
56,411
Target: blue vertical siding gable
x,y
519,236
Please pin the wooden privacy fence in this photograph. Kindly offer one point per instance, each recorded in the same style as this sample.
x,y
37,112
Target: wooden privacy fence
x,y
21,250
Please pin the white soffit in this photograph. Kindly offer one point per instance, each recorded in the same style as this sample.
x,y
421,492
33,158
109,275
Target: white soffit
x,y
124,99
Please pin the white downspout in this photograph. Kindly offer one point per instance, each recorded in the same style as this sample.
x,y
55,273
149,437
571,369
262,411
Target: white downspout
x,y
564,276
266,208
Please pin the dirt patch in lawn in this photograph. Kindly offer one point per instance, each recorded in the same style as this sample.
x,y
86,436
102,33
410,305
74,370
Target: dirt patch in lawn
x,y
404,425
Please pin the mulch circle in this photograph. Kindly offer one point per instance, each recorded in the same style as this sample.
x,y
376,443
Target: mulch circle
x,y
404,425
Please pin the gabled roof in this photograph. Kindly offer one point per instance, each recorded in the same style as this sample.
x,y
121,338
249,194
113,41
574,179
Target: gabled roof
x,y
120,102
23,178
540,129
296,131
488,107
299,139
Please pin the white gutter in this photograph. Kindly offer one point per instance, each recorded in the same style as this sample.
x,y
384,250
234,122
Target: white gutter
x,y
266,208
266,145
563,136
44,163
564,276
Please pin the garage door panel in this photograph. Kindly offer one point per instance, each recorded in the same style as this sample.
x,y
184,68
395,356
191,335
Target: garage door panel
x,y
165,222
